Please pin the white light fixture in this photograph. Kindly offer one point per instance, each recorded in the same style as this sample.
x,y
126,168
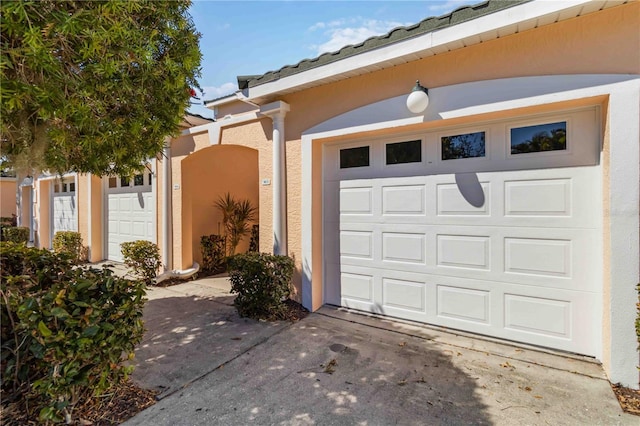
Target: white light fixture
x,y
418,99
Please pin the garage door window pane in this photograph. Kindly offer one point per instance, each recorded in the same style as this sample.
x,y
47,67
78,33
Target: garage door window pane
x,y
138,180
404,152
149,178
540,138
64,187
113,182
354,157
124,182
72,187
467,145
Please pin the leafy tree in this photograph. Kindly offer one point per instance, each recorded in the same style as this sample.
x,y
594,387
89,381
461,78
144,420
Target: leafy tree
x,y
93,86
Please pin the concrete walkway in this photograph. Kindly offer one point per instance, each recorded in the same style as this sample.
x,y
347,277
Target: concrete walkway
x,y
334,367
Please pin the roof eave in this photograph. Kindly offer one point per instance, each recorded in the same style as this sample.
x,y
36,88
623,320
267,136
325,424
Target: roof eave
x,y
481,29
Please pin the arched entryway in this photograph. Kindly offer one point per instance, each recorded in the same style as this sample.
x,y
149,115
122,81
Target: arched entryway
x,y
207,175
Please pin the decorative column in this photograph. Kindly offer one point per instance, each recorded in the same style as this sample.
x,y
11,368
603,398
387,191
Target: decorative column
x,y
167,242
277,111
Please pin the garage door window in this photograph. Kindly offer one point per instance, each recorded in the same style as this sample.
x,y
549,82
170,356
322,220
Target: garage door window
x,y
138,180
467,145
124,182
404,152
354,157
539,138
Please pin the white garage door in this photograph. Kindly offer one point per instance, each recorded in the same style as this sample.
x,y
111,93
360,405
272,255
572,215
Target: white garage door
x,y
130,212
64,212
494,229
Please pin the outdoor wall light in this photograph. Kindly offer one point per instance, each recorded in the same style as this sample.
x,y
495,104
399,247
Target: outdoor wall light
x,y
418,99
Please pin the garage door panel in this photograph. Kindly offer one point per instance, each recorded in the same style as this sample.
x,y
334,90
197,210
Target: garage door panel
x,y
451,201
64,213
464,304
130,217
464,251
509,246
403,200
404,247
358,244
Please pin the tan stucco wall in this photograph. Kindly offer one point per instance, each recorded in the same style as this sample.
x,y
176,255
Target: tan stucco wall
x,y
601,43
233,108
606,42
7,197
208,175
96,241
82,207
180,148
43,213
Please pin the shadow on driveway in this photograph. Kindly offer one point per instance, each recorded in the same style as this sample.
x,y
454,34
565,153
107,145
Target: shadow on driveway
x,y
335,367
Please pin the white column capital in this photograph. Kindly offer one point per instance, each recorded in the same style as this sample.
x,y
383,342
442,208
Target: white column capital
x,y
276,110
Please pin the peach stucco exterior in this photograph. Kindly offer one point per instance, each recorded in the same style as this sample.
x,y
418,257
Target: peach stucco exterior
x,y
7,196
553,49
235,153
602,43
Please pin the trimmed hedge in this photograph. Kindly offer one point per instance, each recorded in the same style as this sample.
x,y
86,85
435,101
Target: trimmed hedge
x,y
262,283
143,257
15,234
66,331
69,242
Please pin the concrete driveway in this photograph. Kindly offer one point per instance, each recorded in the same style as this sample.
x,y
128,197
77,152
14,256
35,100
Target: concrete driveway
x,y
334,367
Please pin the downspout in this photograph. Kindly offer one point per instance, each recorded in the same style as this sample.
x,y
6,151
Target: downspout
x,y
277,111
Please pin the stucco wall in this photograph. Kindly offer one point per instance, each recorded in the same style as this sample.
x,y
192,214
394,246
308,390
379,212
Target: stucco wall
x,y
568,47
7,197
180,148
208,175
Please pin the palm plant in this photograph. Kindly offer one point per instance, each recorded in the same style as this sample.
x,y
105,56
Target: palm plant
x,y
236,219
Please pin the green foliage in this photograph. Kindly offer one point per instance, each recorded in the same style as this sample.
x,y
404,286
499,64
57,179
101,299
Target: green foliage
x,y
69,242
143,257
213,253
16,234
254,242
236,218
262,283
9,221
64,330
93,86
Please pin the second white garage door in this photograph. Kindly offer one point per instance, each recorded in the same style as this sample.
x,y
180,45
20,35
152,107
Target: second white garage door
x,y
493,229
65,214
130,212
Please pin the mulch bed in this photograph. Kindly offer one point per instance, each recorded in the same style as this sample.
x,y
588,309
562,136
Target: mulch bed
x,y
295,311
122,403
629,399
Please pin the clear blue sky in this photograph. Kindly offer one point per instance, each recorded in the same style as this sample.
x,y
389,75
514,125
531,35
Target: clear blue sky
x,y
253,37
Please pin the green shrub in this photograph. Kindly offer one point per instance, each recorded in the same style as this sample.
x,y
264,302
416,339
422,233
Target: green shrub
x,y
213,253
69,242
262,283
143,257
65,331
16,234
9,221
236,217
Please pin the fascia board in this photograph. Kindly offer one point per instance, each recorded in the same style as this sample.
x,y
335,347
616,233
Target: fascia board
x,y
421,44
